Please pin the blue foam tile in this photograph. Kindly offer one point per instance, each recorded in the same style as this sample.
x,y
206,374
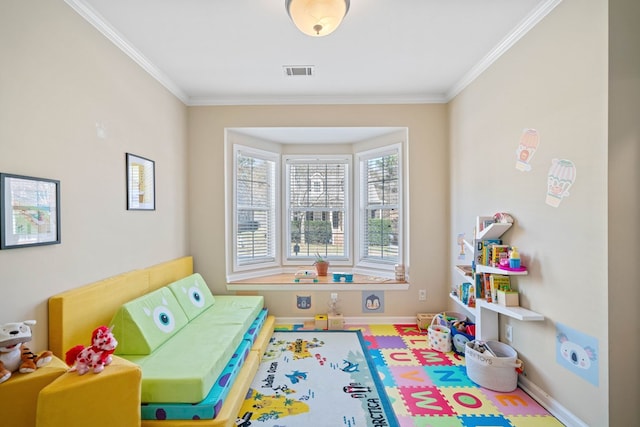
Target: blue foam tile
x,y
385,376
449,376
484,421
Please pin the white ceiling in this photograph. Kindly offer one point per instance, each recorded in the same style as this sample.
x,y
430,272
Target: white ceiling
x,y
232,52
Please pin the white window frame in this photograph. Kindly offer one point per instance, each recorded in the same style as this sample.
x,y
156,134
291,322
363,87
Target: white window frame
x,y
363,263
267,262
347,160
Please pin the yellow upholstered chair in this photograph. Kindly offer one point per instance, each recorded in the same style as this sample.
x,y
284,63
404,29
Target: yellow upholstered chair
x,y
19,394
108,399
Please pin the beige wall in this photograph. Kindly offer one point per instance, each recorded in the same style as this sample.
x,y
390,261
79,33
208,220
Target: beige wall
x,y
553,80
428,193
59,76
624,211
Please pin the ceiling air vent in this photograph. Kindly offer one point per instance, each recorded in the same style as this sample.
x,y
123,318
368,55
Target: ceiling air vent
x,y
299,70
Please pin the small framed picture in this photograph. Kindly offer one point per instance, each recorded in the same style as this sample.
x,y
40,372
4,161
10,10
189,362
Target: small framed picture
x,y
141,187
29,211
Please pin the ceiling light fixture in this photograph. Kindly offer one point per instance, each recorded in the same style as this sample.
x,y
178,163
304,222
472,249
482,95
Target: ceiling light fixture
x,y
317,18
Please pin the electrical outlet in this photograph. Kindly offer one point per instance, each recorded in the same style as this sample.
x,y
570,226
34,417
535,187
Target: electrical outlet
x,y
422,295
509,333
334,296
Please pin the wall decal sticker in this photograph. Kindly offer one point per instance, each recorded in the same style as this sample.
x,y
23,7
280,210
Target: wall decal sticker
x,y
373,302
577,352
527,147
460,243
561,177
303,302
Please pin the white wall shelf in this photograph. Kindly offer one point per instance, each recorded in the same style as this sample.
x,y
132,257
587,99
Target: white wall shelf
x,y
468,245
486,313
519,313
486,316
493,231
471,310
496,270
465,271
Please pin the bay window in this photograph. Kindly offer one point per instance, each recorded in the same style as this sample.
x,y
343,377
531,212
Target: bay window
x,y
287,209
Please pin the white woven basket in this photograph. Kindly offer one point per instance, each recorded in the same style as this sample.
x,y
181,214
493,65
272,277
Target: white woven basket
x,y
499,372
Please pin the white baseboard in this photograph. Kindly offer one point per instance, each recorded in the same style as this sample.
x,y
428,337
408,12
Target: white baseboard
x,y
556,409
353,320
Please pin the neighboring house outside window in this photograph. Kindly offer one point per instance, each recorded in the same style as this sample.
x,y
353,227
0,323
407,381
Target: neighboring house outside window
x,y
317,201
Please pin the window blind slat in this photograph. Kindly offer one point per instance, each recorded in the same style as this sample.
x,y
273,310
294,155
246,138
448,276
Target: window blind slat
x,y
380,178
255,209
316,203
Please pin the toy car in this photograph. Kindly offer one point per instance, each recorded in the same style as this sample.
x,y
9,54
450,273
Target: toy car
x,y
306,275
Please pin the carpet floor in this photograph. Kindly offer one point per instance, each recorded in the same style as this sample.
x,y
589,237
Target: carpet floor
x,y
431,389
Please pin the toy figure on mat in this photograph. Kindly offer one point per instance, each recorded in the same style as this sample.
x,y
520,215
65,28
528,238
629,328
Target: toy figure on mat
x,y
14,355
97,356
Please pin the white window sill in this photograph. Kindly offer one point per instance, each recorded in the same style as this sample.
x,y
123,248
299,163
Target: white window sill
x,y
285,282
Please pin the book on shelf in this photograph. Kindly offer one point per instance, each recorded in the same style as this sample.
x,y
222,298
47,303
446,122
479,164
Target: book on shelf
x,y
465,270
486,285
463,292
498,252
498,282
482,252
479,285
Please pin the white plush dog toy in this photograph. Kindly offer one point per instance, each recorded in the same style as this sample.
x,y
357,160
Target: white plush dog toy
x,y
14,355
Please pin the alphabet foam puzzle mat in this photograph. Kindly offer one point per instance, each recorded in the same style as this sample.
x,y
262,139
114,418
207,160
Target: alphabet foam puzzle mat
x,y
431,389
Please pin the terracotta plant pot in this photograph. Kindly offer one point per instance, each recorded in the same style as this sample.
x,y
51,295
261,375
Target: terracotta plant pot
x,y
322,268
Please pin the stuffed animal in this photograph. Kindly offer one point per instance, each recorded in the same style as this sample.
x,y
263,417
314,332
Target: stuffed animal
x,y
14,355
83,359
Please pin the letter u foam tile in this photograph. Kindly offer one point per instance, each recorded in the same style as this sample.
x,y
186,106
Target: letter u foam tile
x,y
398,357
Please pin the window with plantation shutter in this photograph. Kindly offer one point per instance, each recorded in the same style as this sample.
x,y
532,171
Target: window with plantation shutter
x,y
380,206
255,207
288,203
317,195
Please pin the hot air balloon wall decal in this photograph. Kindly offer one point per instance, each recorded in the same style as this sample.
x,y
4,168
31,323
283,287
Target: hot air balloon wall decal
x,y
527,147
562,175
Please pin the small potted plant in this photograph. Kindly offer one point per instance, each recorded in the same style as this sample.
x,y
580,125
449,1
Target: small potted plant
x,y
321,264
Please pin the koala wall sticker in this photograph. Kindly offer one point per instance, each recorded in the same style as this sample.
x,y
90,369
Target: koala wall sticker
x,y
577,352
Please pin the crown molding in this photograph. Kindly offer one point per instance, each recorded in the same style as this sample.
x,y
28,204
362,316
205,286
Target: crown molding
x,y
505,44
95,19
